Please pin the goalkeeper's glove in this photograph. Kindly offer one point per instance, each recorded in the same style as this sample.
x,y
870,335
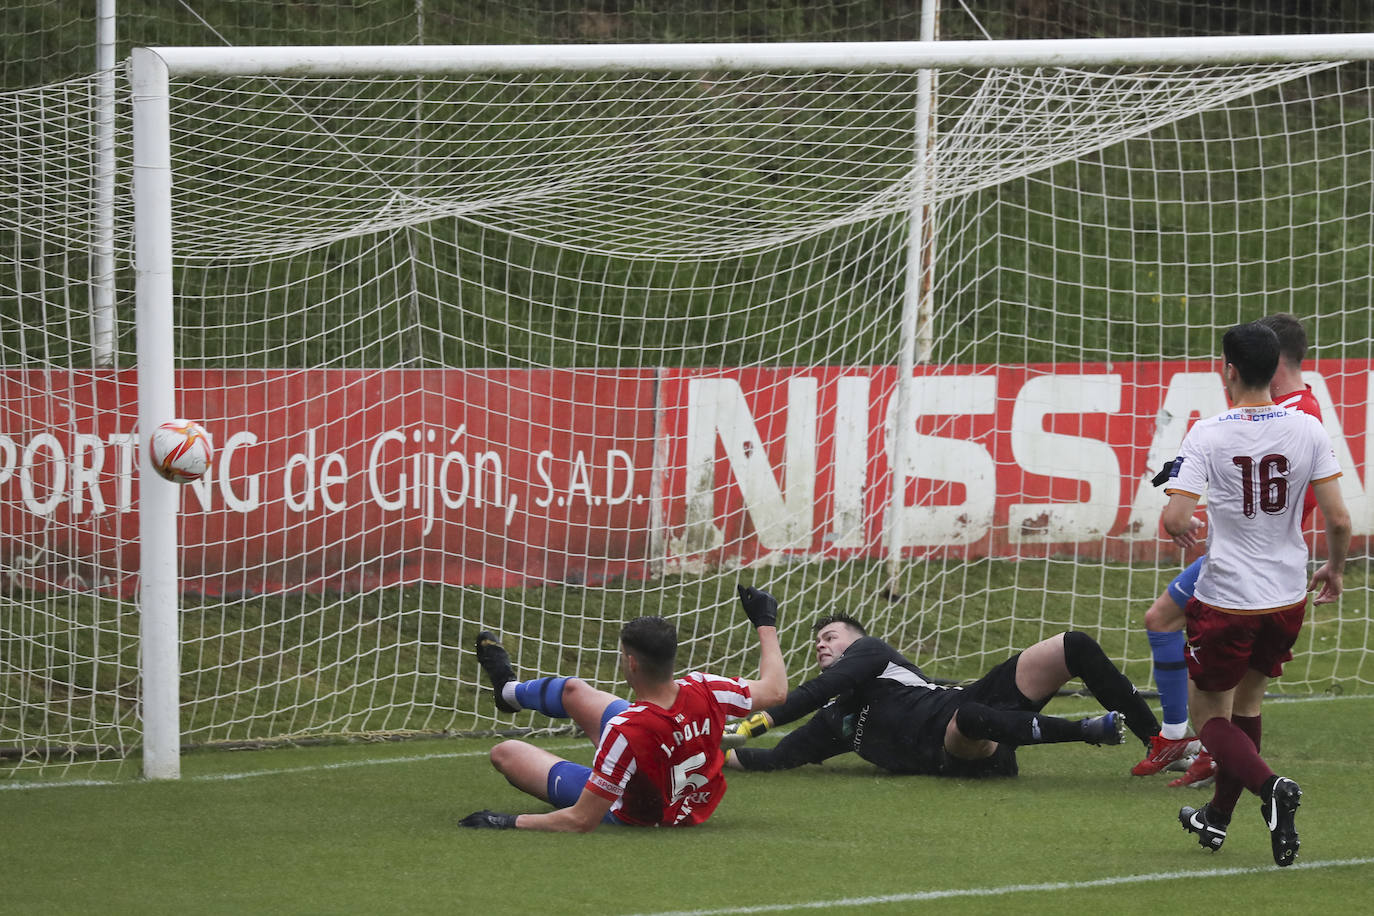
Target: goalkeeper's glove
x,y
761,607
736,733
489,820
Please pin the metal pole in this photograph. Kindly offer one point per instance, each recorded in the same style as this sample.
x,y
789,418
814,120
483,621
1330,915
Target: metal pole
x,y
102,244
924,256
158,499
915,338
873,55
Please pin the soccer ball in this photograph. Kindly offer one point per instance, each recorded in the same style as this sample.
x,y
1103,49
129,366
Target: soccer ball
x,y
180,450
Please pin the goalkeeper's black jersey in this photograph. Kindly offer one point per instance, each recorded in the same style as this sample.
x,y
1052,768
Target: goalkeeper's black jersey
x,y
872,701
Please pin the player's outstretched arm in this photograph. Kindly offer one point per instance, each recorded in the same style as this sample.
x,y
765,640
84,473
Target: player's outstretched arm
x,y
813,741
582,817
736,733
771,687
1329,577
487,819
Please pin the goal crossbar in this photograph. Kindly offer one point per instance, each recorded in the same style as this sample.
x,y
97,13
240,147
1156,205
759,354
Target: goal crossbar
x,y
306,61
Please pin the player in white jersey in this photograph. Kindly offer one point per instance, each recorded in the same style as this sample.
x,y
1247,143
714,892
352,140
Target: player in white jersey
x,y
1247,460
1164,619
1254,462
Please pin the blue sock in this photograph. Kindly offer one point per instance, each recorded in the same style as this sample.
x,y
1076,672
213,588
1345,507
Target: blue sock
x,y
543,694
1171,675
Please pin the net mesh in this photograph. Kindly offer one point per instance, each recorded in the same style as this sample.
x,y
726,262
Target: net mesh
x,y
542,353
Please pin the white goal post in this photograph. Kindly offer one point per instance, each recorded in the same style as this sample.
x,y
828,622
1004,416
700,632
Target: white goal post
x,y
153,72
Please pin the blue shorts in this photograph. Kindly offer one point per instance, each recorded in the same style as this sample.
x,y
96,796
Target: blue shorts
x,y
566,779
1185,583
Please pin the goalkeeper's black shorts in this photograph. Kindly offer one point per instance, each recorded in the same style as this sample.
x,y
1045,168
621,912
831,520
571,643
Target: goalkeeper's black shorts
x,y
997,689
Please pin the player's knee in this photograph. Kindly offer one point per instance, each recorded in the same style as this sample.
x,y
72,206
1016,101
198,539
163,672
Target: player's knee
x,y
575,688
1080,651
504,755
970,722
1164,616
1154,621
965,736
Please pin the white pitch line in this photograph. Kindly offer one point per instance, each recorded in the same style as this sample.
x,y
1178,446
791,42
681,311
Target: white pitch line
x,y
283,771
20,786
343,765
919,896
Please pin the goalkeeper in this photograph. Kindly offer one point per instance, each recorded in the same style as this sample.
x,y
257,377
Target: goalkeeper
x,y
878,704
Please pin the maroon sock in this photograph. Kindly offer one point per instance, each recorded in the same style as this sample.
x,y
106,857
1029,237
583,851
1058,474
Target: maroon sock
x,y
1251,726
1236,756
1227,789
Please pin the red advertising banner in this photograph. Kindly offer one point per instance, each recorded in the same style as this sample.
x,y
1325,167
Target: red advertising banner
x,y
350,479
1004,460
341,479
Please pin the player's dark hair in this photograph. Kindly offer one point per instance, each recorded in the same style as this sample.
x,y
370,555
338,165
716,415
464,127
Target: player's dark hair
x,y
1291,334
653,641
1254,350
828,619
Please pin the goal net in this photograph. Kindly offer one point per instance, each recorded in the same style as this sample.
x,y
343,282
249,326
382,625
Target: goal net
x,y
539,351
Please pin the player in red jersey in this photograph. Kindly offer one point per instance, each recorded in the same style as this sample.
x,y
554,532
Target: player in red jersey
x,y
1164,619
658,759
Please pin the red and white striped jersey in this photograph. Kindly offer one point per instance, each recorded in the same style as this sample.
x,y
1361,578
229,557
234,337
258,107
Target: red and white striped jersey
x,y
1303,400
663,766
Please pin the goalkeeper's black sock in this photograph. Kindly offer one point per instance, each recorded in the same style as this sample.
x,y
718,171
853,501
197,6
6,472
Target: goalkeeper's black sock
x,y
976,721
1086,661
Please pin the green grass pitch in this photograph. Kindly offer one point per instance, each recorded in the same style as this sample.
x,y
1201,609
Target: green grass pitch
x,y
372,828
